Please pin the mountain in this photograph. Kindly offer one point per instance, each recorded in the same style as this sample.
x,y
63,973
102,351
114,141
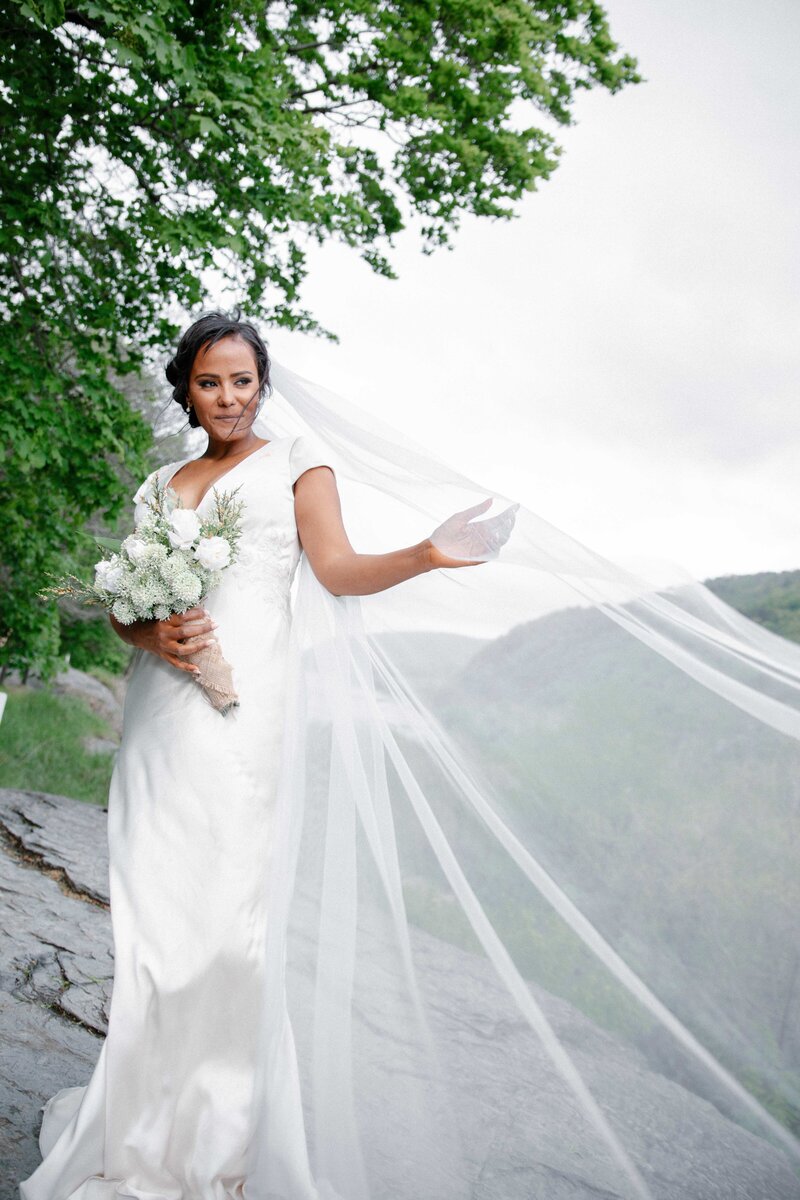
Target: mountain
x,y
772,598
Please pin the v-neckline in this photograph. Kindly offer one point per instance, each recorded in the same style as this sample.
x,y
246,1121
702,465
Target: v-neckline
x,y
183,462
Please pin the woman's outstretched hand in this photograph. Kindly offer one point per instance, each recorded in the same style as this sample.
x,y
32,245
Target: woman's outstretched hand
x,y
172,639
479,541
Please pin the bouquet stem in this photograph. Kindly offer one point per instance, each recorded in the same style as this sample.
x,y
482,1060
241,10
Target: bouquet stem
x,y
215,678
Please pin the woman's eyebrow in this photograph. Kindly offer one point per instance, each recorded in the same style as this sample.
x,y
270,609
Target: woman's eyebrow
x,y
212,375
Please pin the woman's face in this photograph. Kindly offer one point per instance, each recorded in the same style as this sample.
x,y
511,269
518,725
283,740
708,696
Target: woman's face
x,y
223,388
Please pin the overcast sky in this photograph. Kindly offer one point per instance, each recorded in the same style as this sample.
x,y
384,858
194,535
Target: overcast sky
x,y
624,357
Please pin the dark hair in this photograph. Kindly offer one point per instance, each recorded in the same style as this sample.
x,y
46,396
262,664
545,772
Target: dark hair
x,y
210,328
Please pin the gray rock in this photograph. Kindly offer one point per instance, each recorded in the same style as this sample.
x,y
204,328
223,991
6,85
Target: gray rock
x,y
61,836
56,964
528,1139
106,702
42,1052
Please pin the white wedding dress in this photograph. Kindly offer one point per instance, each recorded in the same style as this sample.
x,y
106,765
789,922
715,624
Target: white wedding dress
x,y
169,1111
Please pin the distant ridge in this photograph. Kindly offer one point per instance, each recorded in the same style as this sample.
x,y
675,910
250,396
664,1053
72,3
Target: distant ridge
x,y
772,598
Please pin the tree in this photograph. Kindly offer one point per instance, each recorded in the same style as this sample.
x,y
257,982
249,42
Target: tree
x,y
145,141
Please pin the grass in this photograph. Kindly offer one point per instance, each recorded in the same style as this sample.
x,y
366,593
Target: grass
x,y
41,746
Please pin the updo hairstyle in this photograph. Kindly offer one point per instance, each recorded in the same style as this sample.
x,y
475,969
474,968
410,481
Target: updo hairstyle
x,y
210,328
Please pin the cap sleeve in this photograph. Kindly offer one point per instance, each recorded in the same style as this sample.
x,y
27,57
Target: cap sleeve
x,y
143,491
306,452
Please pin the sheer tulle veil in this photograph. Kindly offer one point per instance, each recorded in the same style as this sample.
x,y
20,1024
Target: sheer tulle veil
x,y
533,887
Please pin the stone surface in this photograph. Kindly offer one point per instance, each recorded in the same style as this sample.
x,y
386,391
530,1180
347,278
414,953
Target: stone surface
x,y
527,1132
42,1052
64,836
98,745
56,964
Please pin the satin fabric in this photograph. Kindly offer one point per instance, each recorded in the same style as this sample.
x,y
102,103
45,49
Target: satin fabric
x,y
170,1109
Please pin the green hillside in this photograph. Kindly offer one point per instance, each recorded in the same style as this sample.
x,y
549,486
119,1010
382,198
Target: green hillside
x,y
772,598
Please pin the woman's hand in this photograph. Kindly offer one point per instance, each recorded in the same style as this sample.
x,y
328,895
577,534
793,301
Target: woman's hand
x,y
480,540
344,572
179,635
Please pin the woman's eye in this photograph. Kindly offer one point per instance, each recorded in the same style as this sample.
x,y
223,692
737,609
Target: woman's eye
x,y
210,383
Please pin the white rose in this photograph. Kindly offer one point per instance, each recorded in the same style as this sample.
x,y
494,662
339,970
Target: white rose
x,y
108,575
136,548
184,528
213,553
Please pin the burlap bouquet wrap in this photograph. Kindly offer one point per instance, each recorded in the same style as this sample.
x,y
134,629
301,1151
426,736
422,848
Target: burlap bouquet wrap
x,y
215,678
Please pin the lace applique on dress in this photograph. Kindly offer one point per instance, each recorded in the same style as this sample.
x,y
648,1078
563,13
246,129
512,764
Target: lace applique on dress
x,y
266,565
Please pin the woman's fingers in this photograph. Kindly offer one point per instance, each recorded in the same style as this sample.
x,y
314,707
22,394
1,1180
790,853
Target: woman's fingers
x,y
182,666
185,633
180,635
476,508
175,651
187,640
190,614
191,645
187,622
192,622
480,540
497,529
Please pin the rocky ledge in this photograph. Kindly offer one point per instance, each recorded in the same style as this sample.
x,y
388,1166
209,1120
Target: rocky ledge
x,y
56,969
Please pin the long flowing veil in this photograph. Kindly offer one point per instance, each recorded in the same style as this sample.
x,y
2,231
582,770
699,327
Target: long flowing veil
x,y
534,882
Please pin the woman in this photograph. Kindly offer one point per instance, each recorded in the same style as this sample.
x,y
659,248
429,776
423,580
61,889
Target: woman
x,y
170,1108
349,960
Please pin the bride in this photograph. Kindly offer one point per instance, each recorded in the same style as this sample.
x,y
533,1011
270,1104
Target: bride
x,y
349,959
169,1111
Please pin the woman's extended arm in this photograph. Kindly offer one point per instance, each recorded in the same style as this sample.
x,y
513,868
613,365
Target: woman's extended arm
x,y
335,563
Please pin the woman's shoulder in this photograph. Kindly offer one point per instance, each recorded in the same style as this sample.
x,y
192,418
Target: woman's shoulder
x,y
146,489
157,472
308,450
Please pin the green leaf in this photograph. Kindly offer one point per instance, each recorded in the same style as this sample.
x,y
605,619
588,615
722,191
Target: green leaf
x,y
105,543
207,125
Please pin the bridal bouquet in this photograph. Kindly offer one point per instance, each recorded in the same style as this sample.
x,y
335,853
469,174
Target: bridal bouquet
x,y
167,565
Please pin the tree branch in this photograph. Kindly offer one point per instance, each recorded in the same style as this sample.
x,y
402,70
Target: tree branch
x,y
312,46
77,18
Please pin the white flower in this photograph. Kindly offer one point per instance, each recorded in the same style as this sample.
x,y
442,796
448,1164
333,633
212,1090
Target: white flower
x,y
184,528
108,574
135,547
123,611
188,588
213,553
154,553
